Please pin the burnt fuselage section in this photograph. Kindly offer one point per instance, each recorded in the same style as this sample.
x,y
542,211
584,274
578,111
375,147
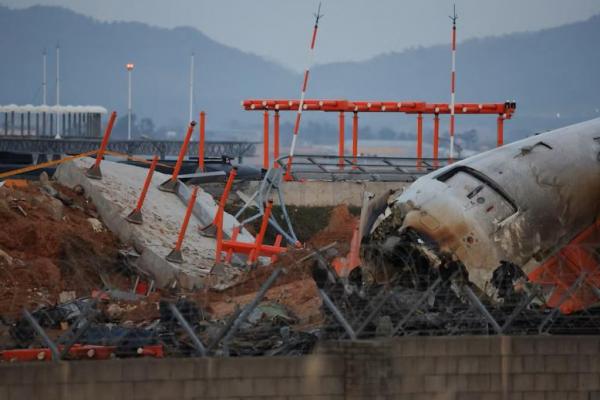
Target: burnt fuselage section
x,y
517,204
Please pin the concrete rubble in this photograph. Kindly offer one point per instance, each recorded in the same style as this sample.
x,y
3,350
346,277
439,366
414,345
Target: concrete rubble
x,y
116,195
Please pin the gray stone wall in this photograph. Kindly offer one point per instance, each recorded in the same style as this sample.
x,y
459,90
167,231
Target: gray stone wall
x,y
451,368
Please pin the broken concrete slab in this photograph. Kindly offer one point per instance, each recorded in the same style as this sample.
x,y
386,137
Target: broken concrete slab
x,y
116,195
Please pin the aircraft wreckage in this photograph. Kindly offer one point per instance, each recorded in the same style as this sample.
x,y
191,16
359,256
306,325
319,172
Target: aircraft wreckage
x,y
504,212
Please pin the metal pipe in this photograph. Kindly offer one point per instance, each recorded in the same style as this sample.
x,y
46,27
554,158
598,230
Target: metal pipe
x,y
419,137
58,130
266,140
436,137
201,142
500,133
288,172
453,83
421,300
191,86
337,314
479,305
341,140
129,103
34,324
44,80
378,307
186,326
276,139
250,307
355,139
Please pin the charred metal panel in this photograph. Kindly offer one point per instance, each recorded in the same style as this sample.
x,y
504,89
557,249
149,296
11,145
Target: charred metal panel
x,y
518,203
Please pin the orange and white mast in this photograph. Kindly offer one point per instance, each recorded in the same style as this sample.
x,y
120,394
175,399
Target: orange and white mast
x,y
454,17
288,174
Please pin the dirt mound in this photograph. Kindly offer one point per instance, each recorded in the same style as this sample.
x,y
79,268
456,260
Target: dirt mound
x,y
49,245
340,228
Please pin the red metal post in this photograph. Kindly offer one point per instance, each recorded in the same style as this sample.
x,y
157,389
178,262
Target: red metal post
x,y
212,229
276,139
419,137
266,140
355,139
225,195
136,215
261,233
175,254
171,184
436,138
94,172
500,135
218,251
201,142
341,143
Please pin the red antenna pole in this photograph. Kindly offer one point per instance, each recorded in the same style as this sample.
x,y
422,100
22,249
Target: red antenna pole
x,y
454,17
288,173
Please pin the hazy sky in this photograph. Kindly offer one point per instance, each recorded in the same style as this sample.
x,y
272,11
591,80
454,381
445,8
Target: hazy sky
x,y
351,29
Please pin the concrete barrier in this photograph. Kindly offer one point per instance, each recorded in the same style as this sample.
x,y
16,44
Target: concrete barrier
x,y
327,194
452,368
115,196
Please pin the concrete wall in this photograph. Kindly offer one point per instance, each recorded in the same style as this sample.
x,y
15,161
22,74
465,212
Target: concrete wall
x,y
456,368
325,194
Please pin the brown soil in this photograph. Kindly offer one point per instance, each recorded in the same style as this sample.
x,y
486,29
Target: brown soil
x,y
340,229
53,247
296,288
47,247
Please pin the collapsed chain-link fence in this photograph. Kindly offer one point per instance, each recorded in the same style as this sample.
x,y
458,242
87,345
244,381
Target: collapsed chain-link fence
x,y
560,297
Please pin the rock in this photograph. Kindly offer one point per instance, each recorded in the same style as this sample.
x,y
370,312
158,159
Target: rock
x,y
114,311
44,179
6,257
66,296
54,208
79,190
96,225
47,188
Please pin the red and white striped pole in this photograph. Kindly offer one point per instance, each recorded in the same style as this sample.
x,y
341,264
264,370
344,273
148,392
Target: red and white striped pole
x,y
288,173
454,17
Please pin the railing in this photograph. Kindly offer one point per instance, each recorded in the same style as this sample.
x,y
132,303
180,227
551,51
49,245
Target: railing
x,y
362,168
234,149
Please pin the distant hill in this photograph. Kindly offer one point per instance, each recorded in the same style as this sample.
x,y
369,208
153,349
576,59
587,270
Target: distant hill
x,y
549,72
93,58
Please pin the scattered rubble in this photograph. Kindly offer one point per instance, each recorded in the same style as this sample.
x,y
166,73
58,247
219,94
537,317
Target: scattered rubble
x,y
74,270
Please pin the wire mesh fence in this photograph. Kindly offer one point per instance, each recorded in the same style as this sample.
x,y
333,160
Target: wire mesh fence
x,y
553,299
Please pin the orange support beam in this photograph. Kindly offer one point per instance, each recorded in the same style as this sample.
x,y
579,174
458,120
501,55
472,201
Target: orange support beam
x,y
409,107
201,142
436,137
355,139
275,139
341,143
175,254
171,184
500,134
94,172
266,140
261,233
136,215
211,229
419,136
